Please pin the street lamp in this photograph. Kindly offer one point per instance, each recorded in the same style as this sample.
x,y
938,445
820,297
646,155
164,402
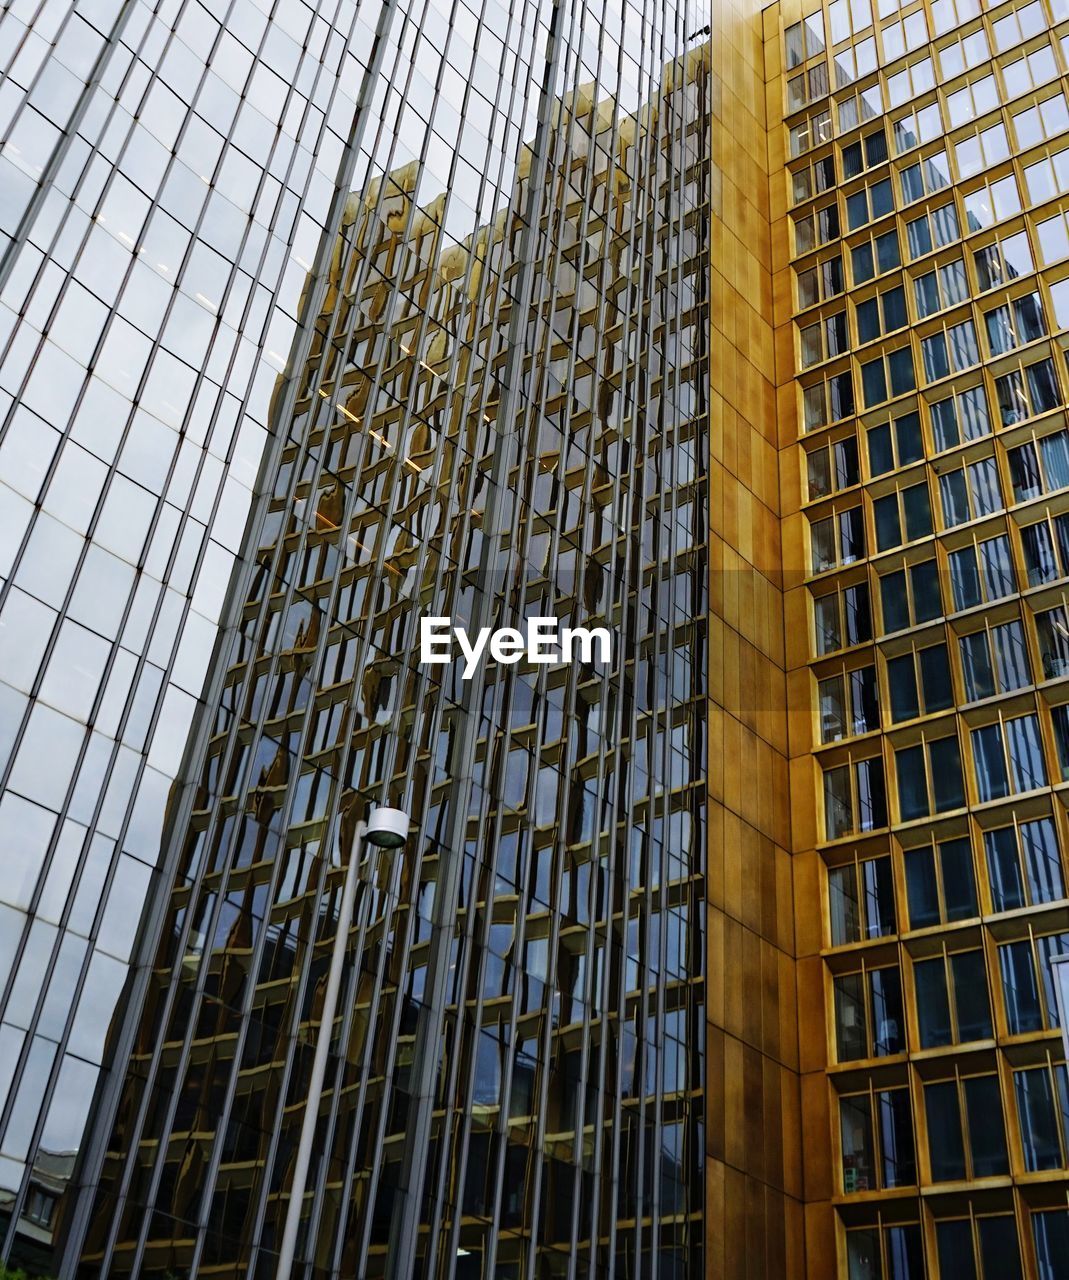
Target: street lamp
x,y
386,829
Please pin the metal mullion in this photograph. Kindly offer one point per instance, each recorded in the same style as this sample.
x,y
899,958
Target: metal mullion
x,y
596,842
494,1233
679,174
647,282
490,551
633,584
621,542
457,399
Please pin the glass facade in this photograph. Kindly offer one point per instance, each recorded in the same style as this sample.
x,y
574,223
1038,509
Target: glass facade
x,y
741,333
492,407
167,174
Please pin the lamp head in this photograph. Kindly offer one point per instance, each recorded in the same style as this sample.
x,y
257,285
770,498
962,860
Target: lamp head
x,y
388,828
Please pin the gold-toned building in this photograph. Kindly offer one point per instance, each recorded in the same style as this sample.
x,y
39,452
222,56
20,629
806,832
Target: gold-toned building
x,y
920,189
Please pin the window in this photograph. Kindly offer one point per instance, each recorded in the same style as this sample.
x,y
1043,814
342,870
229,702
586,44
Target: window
x,y
1050,1232
1028,990
924,672
990,203
913,81
966,1130
807,86
940,885
925,177
1042,1095
1003,261
828,400
984,577
810,132
838,539
902,1257
812,179
918,125
804,40
944,287
981,150
910,596
854,62
882,314
1047,178
1044,120
972,101
929,778
869,203
963,416
877,1140
848,704
889,375
875,256
822,340
1018,25
932,230
994,660
1046,554
903,37
856,108
855,798
868,1014
842,618
866,153
1027,391
969,492
903,515
953,1006
1008,757
1029,71
40,1207
961,53
950,350
847,18
1060,721
1039,466
1024,865
818,283
1014,324
895,444
832,467
978,1249
816,227
1053,239
861,901
1052,632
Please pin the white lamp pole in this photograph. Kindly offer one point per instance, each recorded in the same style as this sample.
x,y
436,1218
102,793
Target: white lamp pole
x,y
388,829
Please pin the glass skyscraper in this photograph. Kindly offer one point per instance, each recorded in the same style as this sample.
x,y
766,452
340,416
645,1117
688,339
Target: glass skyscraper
x,y
169,176
495,415
739,333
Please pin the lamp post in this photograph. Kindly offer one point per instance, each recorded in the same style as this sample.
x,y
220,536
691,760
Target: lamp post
x,y
386,829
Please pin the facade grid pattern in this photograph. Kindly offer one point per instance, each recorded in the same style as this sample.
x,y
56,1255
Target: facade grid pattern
x,y
926,203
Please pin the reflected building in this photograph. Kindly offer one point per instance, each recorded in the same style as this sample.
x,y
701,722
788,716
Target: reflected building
x,y
497,410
